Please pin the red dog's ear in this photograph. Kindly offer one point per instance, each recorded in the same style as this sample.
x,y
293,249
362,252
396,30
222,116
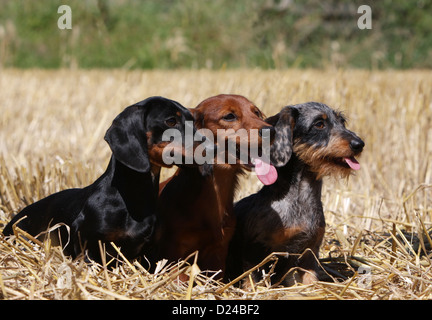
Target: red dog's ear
x,y
198,118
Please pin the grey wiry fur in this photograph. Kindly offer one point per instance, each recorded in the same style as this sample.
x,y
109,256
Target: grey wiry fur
x,y
288,215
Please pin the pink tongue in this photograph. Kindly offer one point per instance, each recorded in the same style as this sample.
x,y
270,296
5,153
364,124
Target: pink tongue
x,y
266,173
352,162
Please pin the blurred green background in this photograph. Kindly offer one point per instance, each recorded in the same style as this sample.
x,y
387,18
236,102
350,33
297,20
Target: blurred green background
x,y
215,34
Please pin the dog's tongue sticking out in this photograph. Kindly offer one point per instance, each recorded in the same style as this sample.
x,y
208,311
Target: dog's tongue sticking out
x,y
353,163
266,172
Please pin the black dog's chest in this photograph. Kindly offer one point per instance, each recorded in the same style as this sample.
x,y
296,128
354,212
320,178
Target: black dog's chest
x,y
117,226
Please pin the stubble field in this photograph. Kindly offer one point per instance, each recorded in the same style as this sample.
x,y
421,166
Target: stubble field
x,y
379,221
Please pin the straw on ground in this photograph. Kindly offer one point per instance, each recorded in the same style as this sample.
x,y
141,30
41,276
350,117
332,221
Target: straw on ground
x,y
378,222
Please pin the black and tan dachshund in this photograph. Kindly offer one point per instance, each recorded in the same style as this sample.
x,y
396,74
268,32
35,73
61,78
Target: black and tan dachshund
x,y
311,142
120,206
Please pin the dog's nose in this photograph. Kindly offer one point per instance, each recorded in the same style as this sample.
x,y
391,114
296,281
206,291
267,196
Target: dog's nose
x,y
357,145
267,131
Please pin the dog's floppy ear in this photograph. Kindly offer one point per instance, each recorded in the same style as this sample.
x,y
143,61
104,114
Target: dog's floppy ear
x,y
127,138
198,117
205,169
281,149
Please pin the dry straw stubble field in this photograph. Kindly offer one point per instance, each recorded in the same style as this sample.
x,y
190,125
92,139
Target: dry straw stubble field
x,y
378,222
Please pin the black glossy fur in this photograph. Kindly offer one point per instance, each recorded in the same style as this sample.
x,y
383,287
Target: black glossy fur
x,y
287,216
120,205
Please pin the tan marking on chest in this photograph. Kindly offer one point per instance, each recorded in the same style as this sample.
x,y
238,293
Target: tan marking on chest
x,y
283,235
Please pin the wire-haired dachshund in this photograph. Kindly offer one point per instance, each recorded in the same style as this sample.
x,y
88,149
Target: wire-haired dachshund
x,y
120,206
196,212
311,142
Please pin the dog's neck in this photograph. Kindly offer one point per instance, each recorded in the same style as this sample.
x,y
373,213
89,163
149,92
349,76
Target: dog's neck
x,y
296,181
224,182
218,189
139,191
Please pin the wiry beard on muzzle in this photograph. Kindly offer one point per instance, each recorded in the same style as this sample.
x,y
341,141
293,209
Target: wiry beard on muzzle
x,y
334,159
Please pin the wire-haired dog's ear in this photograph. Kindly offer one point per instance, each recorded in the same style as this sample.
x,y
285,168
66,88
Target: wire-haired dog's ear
x,y
128,140
281,149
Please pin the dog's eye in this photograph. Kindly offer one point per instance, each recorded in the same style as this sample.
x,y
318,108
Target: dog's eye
x,y
258,114
320,124
229,117
171,122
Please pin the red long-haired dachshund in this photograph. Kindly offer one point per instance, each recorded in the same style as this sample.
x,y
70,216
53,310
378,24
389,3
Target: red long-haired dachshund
x,y
196,211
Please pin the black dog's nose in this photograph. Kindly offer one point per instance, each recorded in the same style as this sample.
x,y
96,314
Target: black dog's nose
x,y
267,131
357,145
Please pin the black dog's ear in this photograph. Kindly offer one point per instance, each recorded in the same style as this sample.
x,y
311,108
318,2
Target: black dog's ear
x,y
281,149
127,139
